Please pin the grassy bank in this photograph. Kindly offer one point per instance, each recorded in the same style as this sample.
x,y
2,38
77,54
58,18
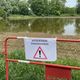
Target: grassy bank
x,y
22,17
19,17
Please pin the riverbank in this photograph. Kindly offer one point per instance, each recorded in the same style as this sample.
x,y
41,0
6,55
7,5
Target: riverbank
x,y
24,17
19,17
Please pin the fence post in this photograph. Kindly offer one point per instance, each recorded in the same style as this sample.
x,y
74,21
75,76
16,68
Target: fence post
x,y
6,55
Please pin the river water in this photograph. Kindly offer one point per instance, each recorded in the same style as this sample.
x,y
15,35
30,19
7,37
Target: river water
x,y
62,26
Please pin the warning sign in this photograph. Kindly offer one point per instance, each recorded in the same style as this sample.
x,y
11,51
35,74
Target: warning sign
x,y
42,49
40,54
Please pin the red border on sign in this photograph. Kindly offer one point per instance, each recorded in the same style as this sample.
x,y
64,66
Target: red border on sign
x,y
42,53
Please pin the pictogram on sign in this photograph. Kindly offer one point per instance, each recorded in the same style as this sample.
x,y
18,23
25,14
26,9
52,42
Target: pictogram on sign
x,y
40,54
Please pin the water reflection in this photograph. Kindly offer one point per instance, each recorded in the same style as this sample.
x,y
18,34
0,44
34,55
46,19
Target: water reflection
x,y
70,29
78,26
64,26
51,26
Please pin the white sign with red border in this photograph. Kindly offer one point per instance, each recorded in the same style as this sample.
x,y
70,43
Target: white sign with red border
x,y
40,49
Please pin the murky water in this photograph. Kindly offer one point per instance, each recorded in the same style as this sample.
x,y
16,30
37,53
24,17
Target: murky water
x,y
63,26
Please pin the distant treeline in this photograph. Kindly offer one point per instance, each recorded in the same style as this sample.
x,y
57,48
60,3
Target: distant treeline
x,y
36,7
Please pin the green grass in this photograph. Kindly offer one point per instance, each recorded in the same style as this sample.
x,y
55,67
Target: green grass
x,y
21,71
21,17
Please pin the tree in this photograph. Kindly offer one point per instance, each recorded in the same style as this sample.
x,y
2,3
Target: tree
x,y
23,8
15,8
2,13
70,11
47,7
5,7
56,7
38,7
78,7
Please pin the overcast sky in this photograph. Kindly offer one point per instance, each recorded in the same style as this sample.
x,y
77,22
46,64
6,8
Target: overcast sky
x,y
71,3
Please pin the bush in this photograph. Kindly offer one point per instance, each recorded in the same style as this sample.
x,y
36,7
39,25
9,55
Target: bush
x,y
2,13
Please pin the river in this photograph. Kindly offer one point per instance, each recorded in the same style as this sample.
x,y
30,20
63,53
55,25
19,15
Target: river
x,y
62,26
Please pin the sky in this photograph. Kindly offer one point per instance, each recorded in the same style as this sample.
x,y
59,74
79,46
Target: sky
x,y
71,3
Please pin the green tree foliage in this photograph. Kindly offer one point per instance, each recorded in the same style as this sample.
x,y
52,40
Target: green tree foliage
x,y
35,7
2,13
56,7
78,7
23,8
5,7
38,7
15,8
19,7
47,7
70,11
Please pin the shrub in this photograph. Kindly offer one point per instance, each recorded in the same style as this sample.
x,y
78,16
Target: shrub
x,y
2,13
